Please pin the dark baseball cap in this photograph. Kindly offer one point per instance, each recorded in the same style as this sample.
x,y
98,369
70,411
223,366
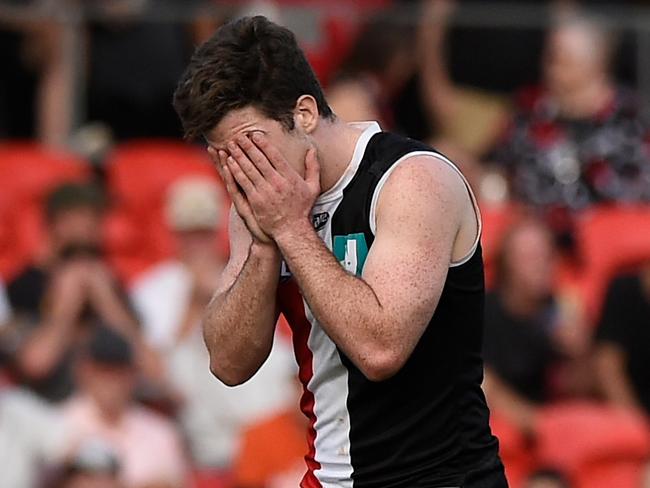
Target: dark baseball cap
x,y
107,346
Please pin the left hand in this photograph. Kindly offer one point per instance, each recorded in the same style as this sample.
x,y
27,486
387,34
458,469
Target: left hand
x,y
279,197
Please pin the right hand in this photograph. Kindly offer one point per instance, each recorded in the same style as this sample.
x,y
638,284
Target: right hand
x,y
239,200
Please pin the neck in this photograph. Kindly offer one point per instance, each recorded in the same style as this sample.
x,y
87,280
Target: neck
x,y
589,100
335,142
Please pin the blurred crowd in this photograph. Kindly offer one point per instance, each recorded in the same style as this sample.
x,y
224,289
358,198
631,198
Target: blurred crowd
x,y
113,237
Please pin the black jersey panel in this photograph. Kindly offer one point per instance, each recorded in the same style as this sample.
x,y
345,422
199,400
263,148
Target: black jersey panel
x,y
427,426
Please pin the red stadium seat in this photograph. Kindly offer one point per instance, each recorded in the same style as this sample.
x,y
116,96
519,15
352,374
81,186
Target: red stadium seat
x,y
513,449
139,176
596,446
28,172
339,34
610,239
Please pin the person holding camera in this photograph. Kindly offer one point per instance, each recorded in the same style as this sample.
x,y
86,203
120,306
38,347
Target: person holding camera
x,y
57,300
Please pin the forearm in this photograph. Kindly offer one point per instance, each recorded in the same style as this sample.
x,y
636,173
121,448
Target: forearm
x,y
345,306
435,83
506,402
44,349
612,379
115,313
239,323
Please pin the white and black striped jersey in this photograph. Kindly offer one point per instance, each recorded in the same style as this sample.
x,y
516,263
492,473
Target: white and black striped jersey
x,y
427,426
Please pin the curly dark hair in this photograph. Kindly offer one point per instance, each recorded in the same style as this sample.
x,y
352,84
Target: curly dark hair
x,y
249,61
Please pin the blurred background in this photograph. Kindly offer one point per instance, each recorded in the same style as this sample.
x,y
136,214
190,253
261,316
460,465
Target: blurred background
x,y
113,232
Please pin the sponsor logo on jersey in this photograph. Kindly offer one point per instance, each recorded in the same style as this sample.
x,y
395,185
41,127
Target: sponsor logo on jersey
x,y
285,272
320,220
351,251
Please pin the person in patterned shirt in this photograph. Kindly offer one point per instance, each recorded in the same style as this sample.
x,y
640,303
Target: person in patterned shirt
x,y
580,139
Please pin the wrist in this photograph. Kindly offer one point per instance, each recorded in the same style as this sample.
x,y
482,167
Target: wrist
x,y
290,233
264,251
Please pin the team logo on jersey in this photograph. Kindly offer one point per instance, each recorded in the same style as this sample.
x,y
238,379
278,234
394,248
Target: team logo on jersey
x,y
320,220
351,251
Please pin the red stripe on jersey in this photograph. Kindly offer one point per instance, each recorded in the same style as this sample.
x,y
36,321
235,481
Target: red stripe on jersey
x,y
293,308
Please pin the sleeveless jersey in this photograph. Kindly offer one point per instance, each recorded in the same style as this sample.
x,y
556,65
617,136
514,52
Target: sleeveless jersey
x,y
427,426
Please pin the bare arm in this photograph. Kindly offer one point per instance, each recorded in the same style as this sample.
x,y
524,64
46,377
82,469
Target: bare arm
x,y
377,319
612,378
45,348
508,403
56,85
52,338
437,88
239,322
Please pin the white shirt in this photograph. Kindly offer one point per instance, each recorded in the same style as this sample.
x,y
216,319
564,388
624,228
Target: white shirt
x,y
213,414
32,436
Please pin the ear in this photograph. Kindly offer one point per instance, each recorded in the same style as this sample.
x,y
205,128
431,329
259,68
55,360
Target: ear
x,y
306,113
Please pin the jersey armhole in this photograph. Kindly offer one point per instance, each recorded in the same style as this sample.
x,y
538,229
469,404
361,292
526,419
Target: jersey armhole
x,y
380,185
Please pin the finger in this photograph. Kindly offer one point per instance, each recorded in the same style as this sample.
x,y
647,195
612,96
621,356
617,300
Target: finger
x,y
273,155
238,199
216,158
245,164
312,168
214,155
240,177
258,158
243,208
221,160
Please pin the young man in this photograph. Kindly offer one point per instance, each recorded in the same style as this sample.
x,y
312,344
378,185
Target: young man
x,y
368,243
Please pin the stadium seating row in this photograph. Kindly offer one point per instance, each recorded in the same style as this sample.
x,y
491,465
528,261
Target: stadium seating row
x,y
138,175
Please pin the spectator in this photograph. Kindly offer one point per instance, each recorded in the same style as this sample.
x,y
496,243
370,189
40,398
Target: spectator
x,y
462,118
580,139
622,360
378,66
32,437
57,300
133,66
171,299
525,332
147,446
36,82
173,289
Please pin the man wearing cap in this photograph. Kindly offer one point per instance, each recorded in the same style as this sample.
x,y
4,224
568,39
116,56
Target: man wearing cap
x,y
171,298
147,446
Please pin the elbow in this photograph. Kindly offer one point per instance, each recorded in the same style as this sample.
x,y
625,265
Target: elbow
x,y
227,375
381,364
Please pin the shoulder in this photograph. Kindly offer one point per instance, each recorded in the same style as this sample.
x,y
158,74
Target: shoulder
x,y
28,277
26,290
425,178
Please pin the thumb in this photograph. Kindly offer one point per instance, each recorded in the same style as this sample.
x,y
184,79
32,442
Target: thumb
x,y
312,169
